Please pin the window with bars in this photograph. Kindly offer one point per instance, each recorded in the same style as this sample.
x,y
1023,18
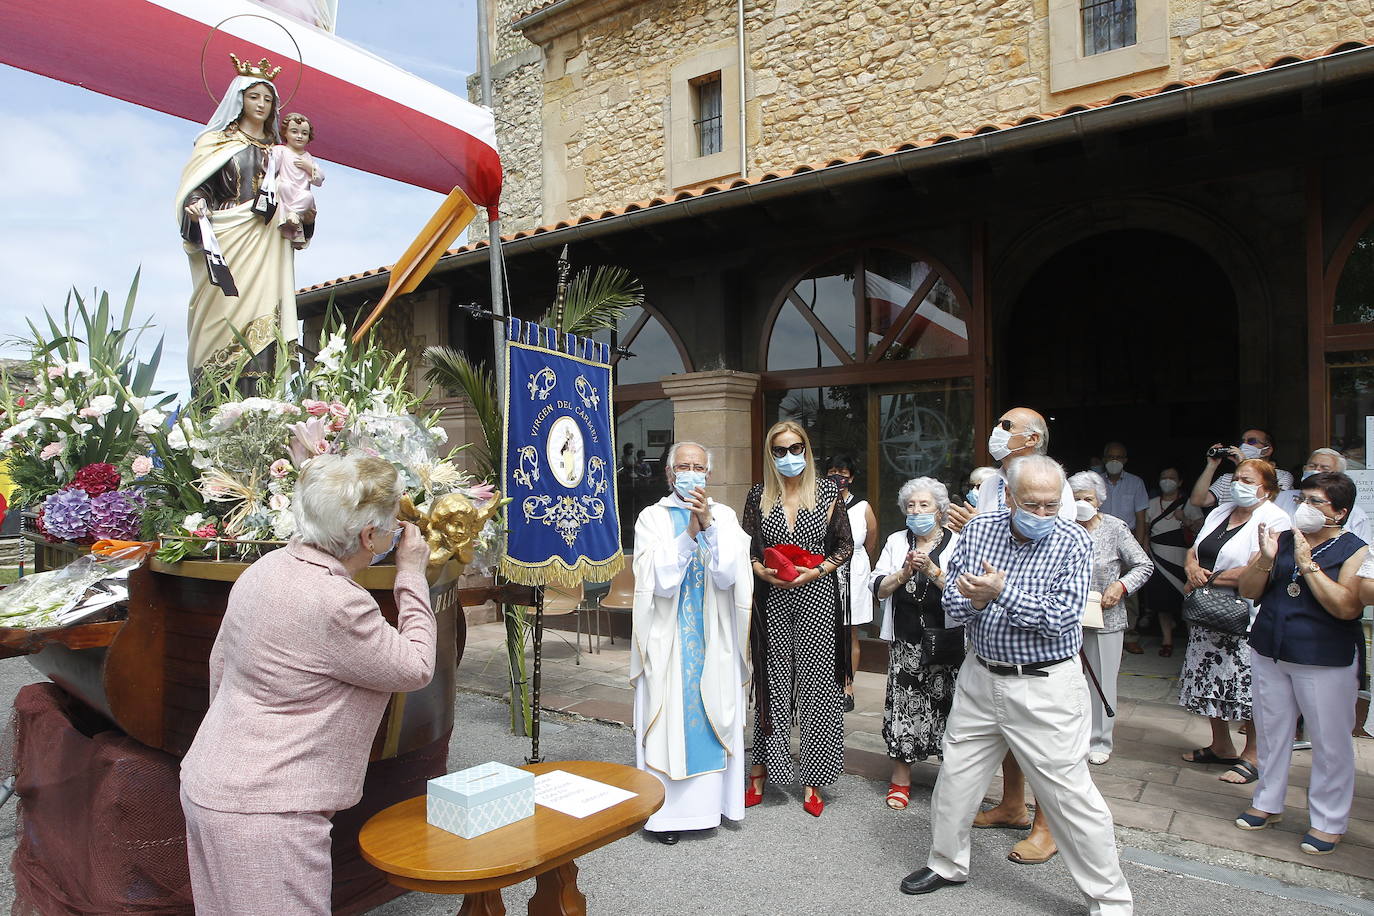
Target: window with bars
x,y
707,115
1107,25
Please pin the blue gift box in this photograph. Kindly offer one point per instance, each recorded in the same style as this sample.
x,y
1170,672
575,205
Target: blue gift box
x,y
479,799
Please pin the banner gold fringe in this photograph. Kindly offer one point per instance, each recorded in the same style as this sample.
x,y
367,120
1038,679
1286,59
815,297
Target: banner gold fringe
x,y
556,572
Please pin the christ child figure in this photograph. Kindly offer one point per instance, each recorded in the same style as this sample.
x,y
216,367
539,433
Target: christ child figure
x,y
297,171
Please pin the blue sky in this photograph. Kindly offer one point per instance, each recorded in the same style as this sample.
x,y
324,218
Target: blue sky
x,y
90,180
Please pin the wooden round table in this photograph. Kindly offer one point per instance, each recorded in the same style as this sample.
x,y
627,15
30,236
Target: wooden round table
x,y
419,857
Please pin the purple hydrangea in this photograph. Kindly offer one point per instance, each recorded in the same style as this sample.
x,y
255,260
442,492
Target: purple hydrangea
x,y
117,514
67,515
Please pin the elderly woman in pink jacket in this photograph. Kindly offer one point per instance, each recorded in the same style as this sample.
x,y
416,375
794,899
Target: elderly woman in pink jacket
x,y
299,678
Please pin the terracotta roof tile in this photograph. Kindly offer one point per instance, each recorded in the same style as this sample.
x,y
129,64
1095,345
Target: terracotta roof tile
x,y
834,162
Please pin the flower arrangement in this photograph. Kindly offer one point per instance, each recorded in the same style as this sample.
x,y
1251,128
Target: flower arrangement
x,y
99,454
92,507
246,455
90,405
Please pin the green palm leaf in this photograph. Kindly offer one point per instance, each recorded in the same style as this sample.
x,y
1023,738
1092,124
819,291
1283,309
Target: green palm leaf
x,y
455,372
596,299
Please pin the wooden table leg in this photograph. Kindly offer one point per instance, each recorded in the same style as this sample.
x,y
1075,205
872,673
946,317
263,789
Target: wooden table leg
x,y
486,903
556,893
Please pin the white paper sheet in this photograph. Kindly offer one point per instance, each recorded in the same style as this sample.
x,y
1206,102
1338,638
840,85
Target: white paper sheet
x,y
576,795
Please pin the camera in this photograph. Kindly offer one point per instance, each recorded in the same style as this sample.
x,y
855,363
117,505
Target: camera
x,y
1220,451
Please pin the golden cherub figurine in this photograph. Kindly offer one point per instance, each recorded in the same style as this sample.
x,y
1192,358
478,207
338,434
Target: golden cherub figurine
x,y
450,524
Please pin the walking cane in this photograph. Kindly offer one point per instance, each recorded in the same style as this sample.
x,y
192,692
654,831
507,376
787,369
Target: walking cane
x,y
1107,707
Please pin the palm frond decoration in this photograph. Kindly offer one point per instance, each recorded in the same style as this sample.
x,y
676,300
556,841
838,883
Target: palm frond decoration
x,y
455,372
596,299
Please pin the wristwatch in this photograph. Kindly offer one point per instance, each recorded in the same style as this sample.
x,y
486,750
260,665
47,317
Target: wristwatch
x,y
1311,567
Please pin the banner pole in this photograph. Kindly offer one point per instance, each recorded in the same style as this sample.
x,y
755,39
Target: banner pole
x,y
535,677
498,300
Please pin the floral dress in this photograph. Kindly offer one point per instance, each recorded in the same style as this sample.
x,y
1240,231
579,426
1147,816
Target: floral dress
x,y
800,646
919,697
1215,680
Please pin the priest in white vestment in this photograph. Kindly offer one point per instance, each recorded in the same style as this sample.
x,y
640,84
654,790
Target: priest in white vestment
x,y
689,661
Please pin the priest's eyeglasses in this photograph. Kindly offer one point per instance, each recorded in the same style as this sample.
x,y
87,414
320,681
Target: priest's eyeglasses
x,y
683,468
795,448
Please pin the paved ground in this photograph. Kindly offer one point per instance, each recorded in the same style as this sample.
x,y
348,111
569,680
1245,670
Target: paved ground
x,y
780,861
1158,801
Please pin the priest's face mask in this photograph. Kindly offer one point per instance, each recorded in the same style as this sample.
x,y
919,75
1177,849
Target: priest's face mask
x,y
688,471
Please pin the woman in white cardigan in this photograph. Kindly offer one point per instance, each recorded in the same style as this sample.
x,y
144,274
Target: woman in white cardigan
x,y
1215,681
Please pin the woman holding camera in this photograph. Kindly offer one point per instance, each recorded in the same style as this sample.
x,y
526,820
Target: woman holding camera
x,y
1215,681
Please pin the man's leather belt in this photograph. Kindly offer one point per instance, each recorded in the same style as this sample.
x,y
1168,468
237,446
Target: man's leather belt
x,y
1034,669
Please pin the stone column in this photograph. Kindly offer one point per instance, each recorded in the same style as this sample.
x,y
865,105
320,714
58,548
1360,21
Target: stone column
x,y
716,409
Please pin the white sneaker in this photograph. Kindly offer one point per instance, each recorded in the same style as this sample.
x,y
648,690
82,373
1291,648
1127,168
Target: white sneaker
x,y
1097,758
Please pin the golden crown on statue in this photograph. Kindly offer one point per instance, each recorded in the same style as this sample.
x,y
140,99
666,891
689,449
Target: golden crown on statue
x,y
263,69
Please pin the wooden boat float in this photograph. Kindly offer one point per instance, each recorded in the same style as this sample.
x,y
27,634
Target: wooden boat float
x,y
149,674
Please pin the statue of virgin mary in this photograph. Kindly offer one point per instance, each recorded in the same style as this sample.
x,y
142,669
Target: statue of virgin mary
x,y
220,185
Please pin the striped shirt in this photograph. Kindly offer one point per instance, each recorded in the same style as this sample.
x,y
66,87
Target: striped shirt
x,y
1038,616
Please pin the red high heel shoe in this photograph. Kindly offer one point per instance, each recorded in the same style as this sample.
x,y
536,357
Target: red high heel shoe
x,y
752,798
814,805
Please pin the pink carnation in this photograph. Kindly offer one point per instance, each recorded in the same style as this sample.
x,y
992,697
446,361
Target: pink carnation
x,y
315,408
142,465
51,450
338,411
207,530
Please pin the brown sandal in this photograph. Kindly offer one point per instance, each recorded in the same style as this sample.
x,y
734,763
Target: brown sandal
x,y
1027,853
1166,650
981,821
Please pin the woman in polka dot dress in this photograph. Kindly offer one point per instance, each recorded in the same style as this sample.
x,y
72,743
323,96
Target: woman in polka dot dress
x,y
800,639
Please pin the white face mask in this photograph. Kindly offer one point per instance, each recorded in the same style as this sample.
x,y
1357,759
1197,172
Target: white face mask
x,y
1250,451
997,443
1167,485
1243,494
1083,509
1114,467
1309,519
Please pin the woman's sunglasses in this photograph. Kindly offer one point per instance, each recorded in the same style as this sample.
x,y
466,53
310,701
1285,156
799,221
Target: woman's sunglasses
x,y
796,448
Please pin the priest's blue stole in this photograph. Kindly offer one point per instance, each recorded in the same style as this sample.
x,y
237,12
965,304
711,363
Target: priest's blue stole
x,y
705,753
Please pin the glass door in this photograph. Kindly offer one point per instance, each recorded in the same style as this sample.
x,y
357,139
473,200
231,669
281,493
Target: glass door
x,y
918,429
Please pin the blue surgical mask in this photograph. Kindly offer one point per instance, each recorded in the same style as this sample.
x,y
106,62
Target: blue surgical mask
x,y
921,523
1308,473
972,497
1244,495
790,465
1033,526
395,539
684,482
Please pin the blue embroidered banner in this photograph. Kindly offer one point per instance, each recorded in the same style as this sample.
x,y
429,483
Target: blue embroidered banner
x,y
562,523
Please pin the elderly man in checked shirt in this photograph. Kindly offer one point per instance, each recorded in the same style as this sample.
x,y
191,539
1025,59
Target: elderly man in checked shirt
x,y
1018,580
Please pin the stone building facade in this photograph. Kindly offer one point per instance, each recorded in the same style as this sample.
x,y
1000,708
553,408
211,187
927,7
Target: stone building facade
x,y
590,93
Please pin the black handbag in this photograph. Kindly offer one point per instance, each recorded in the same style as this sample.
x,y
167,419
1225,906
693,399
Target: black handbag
x,y
942,646
1217,608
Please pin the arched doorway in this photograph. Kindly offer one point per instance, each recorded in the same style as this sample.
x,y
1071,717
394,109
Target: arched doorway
x,y
1128,335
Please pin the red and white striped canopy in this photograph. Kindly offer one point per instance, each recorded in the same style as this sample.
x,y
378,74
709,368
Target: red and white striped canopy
x,y
370,114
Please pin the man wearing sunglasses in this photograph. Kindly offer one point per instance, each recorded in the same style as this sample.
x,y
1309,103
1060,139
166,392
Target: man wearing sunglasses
x,y
1328,461
1254,443
1017,433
